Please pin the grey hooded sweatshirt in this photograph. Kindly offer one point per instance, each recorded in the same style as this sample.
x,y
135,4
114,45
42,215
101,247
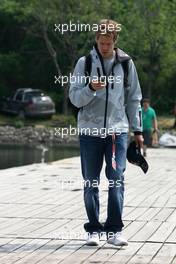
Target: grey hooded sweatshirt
x,y
112,109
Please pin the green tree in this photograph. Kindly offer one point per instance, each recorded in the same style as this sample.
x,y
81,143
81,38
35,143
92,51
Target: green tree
x,y
34,52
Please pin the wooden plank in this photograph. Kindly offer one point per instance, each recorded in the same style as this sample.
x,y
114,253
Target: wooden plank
x,y
165,255
24,250
9,249
127,210
129,198
43,231
163,214
10,223
14,230
164,196
145,253
40,254
72,211
136,201
162,232
150,200
7,210
161,201
172,237
80,255
102,254
67,231
137,212
41,210
172,201
63,252
149,214
132,229
172,217
122,255
146,232
4,241
33,225
174,260
21,210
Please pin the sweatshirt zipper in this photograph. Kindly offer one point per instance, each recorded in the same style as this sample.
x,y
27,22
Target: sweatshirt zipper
x,y
107,94
106,105
104,73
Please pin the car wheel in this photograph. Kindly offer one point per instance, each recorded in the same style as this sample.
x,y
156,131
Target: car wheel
x,y
21,114
4,106
49,116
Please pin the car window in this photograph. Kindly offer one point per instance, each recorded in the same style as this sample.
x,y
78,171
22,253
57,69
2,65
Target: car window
x,y
41,99
27,97
19,96
30,95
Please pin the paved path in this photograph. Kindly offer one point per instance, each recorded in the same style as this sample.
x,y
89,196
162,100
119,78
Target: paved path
x,y
42,214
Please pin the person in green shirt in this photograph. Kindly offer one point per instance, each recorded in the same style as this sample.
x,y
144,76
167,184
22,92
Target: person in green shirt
x,y
174,112
149,124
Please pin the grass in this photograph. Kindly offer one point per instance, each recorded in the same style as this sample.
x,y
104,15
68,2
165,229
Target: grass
x,y
164,122
55,121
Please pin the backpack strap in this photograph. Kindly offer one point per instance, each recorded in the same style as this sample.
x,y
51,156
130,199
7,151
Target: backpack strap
x,y
125,70
88,66
125,66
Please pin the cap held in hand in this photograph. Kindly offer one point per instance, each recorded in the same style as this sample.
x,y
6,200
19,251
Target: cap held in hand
x,y
135,157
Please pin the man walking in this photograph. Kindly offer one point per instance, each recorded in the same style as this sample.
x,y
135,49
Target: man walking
x,y
109,103
149,122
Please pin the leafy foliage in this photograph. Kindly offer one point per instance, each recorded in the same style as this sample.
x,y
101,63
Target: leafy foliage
x,y
32,52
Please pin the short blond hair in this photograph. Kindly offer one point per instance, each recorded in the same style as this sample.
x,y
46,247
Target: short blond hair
x,y
108,28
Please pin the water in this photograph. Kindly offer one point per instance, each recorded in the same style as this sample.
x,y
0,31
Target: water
x,y
14,155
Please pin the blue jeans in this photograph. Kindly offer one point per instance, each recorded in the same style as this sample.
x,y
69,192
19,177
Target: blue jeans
x,y
93,150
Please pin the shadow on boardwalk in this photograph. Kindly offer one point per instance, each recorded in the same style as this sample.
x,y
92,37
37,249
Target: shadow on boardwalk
x,y
42,214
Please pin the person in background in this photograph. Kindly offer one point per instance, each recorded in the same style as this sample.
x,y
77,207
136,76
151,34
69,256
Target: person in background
x,y
150,124
174,112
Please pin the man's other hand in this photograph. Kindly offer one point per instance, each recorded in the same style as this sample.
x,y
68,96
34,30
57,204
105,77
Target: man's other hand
x,y
139,140
97,85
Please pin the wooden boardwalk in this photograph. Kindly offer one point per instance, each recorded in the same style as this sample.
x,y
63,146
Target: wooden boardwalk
x,y
42,214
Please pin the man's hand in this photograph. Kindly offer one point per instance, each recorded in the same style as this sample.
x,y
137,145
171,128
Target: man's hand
x,y
156,130
139,140
98,85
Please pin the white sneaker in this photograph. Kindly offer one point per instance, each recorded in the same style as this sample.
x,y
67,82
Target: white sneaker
x,y
117,240
93,239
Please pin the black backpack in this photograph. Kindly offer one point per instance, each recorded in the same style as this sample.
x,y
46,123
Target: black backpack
x,y
87,71
88,68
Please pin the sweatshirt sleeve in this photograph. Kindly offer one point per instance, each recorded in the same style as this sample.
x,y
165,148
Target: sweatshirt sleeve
x,y
134,97
79,93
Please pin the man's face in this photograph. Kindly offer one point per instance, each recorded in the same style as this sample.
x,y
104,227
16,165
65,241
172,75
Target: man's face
x,y
145,105
105,46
